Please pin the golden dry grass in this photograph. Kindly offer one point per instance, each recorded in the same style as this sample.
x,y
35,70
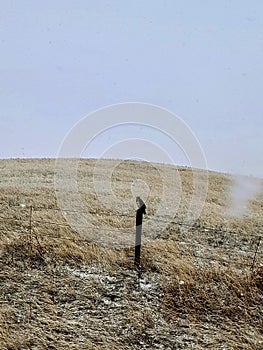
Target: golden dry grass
x,y
59,290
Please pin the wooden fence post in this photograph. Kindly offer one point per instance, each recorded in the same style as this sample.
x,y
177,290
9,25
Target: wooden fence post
x,y
30,258
30,228
254,259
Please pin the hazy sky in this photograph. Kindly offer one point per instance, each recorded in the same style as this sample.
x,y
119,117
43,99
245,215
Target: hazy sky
x,y
202,60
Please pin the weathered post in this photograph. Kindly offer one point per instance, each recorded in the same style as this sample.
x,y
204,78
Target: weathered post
x,y
254,259
30,257
30,228
138,238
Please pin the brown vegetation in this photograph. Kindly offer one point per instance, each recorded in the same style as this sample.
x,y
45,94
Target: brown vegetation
x,y
59,290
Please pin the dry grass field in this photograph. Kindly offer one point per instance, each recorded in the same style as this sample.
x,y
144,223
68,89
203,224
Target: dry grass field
x,y
199,287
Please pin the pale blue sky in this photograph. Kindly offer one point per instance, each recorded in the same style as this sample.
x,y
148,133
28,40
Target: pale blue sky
x,y
202,60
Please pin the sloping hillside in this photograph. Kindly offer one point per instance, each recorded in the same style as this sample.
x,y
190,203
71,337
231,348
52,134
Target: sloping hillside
x,y
199,287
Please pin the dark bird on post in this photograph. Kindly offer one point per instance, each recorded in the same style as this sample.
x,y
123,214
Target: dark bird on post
x,y
139,215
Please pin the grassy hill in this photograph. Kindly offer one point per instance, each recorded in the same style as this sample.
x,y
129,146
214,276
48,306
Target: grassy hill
x,y
199,287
